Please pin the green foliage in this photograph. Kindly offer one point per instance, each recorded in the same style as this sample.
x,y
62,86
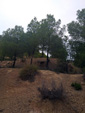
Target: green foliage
x,y
80,56
77,86
76,30
57,48
11,43
39,55
32,39
28,73
83,70
50,39
45,35
32,35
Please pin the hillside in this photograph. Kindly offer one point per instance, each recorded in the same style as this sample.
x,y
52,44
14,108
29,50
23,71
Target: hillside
x,y
17,96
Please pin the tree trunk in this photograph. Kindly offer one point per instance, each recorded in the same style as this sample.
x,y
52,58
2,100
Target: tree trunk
x,y
47,66
3,58
31,61
42,51
42,54
14,61
67,67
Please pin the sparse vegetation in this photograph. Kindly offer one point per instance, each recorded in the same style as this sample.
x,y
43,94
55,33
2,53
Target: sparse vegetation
x,y
23,60
84,76
28,73
23,93
62,67
53,93
66,67
46,44
77,86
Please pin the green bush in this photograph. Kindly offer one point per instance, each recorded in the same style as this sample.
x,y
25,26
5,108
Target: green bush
x,y
77,86
28,73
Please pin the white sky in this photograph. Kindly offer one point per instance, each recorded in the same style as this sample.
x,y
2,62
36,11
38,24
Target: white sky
x,y
21,12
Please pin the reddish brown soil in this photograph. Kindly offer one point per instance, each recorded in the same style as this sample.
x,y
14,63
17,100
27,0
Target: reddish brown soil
x,y
18,96
41,62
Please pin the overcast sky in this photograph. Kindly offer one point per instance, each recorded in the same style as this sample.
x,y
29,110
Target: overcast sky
x,y
21,12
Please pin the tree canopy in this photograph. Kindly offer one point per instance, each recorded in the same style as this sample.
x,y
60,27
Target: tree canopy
x,y
11,44
76,30
46,36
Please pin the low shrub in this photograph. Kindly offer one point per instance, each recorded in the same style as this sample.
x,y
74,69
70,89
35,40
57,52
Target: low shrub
x,y
28,73
53,94
77,86
67,67
62,67
23,60
84,76
73,69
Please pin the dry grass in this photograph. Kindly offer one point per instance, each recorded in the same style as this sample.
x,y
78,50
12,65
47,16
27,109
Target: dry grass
x,y
17,96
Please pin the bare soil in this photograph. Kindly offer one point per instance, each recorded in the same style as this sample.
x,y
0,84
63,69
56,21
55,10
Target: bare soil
x,y
41,62
17,96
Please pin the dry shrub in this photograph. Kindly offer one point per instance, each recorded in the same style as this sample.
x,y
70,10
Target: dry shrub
x,y
73,69
84,76
62,67
28,73
65,67
23,60
53,93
